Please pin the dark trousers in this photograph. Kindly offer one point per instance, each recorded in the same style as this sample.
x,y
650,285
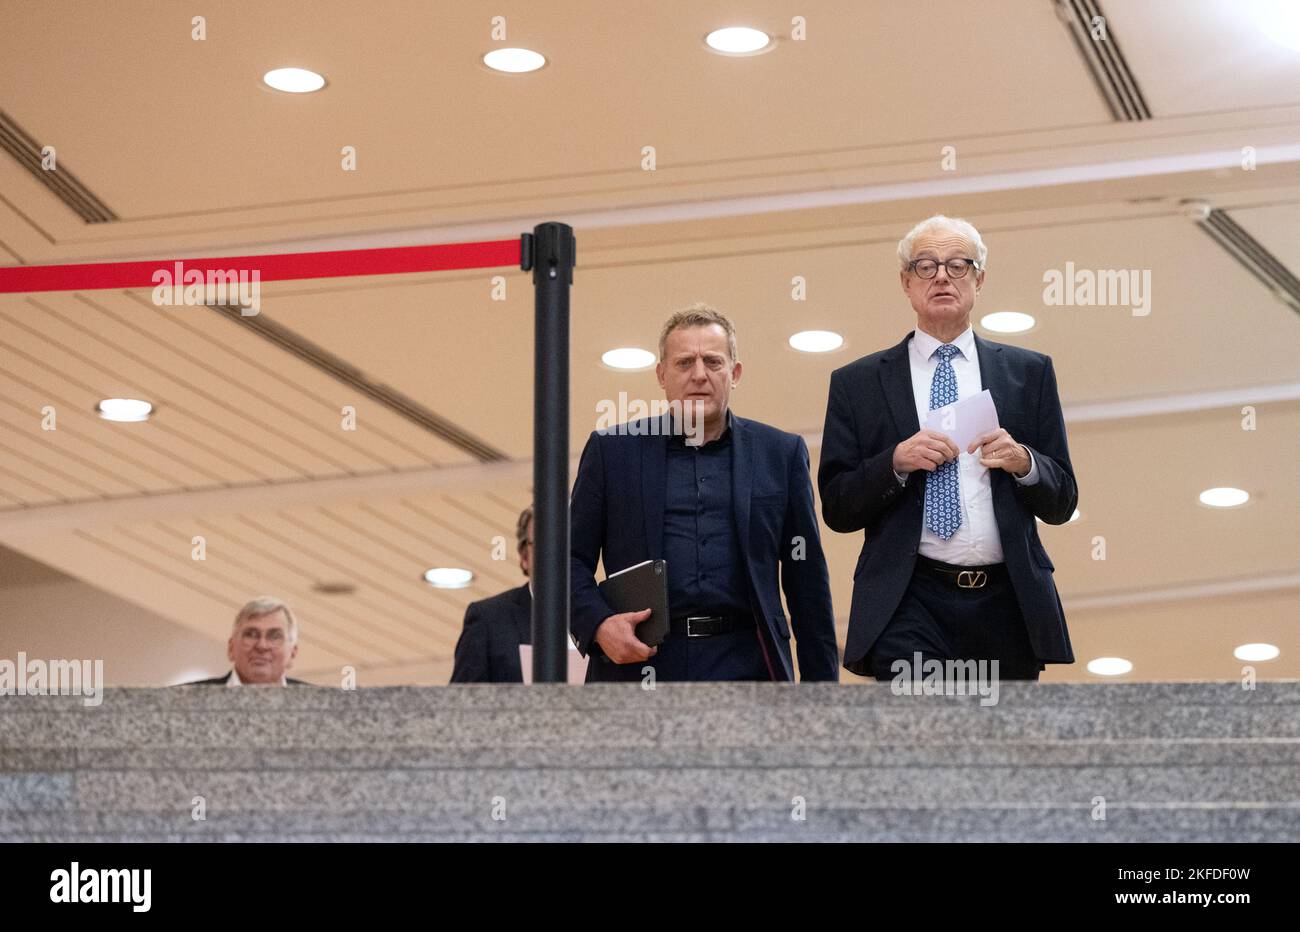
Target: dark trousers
x,y
943,622
736,655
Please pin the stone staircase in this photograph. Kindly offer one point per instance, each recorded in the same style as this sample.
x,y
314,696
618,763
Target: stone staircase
x,y
717,762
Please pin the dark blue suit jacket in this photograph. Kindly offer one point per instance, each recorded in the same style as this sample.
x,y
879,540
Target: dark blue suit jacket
x,y
618,512
488,649
871,410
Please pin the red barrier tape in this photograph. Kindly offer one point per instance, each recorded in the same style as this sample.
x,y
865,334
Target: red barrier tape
x,y
282,267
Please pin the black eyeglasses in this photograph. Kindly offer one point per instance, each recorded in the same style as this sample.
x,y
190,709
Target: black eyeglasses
x,y
929,268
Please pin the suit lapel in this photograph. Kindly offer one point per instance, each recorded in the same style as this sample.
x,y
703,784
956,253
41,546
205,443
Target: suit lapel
x,y
896,382
993,374
654,475
995,379
742,481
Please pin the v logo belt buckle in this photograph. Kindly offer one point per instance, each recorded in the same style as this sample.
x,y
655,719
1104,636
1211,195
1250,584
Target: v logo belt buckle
x,y
972,579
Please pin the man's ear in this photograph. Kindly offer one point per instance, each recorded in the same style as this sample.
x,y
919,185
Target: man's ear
x,y
735,374
293,655
230,649
659,374
902,280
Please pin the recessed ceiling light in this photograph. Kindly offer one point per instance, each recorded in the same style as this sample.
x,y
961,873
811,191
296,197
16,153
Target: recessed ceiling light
x,y
1007,322
514,61
1224,497
628,357
816,341
294,80
1255,653
448,577
124,409
738,40
1109,666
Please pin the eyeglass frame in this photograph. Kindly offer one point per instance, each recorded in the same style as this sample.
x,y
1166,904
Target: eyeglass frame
x,y
969,264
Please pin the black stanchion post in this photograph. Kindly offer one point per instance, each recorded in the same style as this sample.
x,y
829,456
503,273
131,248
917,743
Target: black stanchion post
x,y
549,252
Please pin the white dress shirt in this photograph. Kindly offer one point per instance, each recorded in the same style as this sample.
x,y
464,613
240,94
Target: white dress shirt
x,y
234,680
976,541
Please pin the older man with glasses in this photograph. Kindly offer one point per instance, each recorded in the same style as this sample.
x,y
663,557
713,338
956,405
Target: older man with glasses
x,y
951,568
262,647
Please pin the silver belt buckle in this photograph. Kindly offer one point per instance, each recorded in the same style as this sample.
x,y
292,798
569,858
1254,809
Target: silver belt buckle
x,y
972,579
689,619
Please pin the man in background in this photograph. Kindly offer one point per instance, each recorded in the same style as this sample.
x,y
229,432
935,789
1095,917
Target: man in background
x,y
488,649
262,648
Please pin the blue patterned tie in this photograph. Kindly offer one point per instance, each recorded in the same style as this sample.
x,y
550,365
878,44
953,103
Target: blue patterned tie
x,y
942,490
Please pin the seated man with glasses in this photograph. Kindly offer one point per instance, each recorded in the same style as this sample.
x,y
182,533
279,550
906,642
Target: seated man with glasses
x,y
951,568
263,645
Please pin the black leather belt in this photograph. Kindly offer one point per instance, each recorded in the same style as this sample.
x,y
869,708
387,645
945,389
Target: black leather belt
x,y
963,577
702,626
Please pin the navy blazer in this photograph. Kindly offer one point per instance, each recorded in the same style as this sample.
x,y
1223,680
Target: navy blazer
x,y
871,410
617,512
488,649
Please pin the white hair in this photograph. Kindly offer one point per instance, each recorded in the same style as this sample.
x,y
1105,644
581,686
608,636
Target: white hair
x,y
940,222
268,605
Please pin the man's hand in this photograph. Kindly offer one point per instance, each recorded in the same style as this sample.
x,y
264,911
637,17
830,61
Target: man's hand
x,y
617,638
926,449
1002,452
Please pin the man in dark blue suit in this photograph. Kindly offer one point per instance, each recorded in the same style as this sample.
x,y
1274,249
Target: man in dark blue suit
x,y
951,567
488,649
727,503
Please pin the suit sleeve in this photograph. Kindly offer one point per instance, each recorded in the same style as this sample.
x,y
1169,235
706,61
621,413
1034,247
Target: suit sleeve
x,y
857,486
1054,497
806,581
588,607
472,664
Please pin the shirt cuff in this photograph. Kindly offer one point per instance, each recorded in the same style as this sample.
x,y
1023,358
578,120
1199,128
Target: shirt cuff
x,y
1031,477
902,480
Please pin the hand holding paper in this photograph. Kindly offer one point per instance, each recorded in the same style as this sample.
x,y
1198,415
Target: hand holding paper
x,y
966,420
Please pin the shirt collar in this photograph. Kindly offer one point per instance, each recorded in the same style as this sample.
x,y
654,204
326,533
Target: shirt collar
x,y
925,345
677,438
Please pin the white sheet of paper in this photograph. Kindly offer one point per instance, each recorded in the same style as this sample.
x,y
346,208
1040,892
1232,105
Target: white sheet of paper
x,y
577,664
966,419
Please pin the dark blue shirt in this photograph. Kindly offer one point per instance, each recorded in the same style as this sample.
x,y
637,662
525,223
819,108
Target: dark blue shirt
x,y
706,569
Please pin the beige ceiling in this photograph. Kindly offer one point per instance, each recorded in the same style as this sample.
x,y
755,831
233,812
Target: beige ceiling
x,y
810,160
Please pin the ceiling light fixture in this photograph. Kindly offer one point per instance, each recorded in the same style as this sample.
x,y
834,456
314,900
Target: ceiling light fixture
x,y
1007,322
627,358
448,577
1224,497
514,61
738,40
1109,666
125,410
294,80
816,341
